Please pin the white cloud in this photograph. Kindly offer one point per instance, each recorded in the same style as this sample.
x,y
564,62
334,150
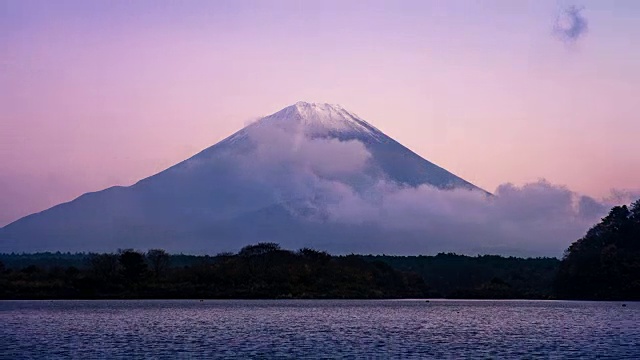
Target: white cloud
x,y
538,218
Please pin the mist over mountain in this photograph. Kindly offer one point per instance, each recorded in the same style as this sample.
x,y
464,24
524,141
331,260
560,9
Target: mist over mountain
x,y
311,175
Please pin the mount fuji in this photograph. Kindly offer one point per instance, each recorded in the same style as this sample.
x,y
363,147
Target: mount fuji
x,y
285,178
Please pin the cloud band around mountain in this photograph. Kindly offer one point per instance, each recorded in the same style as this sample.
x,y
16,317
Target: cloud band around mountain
x,y
537,218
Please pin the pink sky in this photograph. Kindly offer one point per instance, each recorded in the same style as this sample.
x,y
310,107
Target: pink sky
x,y
95,94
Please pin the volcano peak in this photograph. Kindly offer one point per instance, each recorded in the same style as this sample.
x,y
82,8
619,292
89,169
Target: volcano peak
x,y
320,119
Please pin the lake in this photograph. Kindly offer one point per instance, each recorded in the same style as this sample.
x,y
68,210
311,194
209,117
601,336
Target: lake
x,y
189,329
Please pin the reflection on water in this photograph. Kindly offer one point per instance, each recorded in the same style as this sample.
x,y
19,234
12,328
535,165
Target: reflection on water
x,y
318,329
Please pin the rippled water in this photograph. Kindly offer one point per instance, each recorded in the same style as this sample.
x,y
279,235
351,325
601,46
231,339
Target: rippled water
x,y
318,329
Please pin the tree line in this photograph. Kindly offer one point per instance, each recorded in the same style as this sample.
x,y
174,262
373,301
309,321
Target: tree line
x,y
258,271
267,271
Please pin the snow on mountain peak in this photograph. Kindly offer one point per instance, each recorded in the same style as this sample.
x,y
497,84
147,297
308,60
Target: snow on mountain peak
x,y
312,120
319,119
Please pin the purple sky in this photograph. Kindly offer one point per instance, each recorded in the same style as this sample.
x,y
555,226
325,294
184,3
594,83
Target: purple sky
x,y
102,93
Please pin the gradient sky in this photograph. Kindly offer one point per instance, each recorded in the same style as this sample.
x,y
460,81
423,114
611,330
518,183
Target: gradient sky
x,y
102,93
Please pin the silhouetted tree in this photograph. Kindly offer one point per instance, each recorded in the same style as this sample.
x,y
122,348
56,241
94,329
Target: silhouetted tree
x,y
635,212
259,249
133,264
605,263
159,261
314,254
225,255
104,266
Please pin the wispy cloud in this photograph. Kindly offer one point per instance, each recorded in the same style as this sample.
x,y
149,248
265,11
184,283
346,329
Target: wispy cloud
x,y
571,25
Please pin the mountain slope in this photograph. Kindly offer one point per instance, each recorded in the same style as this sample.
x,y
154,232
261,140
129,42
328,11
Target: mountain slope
x,y
276,179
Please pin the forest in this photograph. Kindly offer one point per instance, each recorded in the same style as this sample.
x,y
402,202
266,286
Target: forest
x,y
603,265
258,271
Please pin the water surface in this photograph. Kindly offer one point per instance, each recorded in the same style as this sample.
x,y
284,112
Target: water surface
x,y
186,329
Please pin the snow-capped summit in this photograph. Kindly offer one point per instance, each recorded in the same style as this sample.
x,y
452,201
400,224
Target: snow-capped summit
x,y
275,180
317,119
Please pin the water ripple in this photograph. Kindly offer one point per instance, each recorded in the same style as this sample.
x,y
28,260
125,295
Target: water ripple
x,y
318,329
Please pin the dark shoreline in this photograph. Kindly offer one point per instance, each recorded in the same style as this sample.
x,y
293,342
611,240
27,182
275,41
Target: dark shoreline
x,y
265,271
